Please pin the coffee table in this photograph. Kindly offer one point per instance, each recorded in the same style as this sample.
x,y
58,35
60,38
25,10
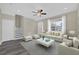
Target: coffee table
x,y
45,42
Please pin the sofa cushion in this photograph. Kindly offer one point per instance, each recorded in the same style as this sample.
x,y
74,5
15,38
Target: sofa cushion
x,y
28,38
48,33
36,36
56,33
67,42
65,36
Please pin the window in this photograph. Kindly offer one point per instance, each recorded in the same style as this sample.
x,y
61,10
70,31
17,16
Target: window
x,y
58,24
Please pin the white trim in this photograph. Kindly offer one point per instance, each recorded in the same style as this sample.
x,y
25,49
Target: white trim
x,y
49,25
64,24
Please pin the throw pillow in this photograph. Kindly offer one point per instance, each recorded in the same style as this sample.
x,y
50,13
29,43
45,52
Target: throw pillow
x,y
58,34
65,36
67,42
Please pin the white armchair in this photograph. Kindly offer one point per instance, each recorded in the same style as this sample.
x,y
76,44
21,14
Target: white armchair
x,y
28,38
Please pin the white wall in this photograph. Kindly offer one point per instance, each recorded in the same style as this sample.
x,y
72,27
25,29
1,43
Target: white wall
x,y
8,31
78,20
0,28
29,26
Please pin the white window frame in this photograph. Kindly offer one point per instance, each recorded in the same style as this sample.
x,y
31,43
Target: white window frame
x,y
49,25
63,23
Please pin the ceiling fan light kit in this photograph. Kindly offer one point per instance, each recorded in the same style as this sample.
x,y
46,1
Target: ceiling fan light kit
x,y
39,12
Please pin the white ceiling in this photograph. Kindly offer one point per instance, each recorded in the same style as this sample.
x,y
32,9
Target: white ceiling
x,y
25,9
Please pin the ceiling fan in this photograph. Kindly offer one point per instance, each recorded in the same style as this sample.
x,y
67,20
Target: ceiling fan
x,y
39,12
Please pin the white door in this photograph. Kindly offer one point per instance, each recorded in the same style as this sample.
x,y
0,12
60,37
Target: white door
x,y
40,27
8,31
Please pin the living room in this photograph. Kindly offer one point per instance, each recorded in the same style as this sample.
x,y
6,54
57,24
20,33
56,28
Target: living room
x,y
39,29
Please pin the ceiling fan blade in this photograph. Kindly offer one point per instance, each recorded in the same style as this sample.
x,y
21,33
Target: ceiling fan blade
x,y
34,11
34,14
43,13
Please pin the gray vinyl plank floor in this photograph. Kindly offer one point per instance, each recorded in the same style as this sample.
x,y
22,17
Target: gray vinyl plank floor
x,y
12,47
20,47
36,49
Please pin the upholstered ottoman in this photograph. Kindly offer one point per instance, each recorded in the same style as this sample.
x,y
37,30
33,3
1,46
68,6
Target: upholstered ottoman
x,y
45,42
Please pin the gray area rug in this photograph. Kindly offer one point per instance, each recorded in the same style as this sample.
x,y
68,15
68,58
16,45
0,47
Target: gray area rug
x,y
13,47
36,49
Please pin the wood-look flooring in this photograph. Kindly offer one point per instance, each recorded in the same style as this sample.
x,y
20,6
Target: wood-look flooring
x,y
12,47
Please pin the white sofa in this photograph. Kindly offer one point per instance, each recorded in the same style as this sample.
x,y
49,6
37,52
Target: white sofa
x,y
57,35
63,49
31,37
